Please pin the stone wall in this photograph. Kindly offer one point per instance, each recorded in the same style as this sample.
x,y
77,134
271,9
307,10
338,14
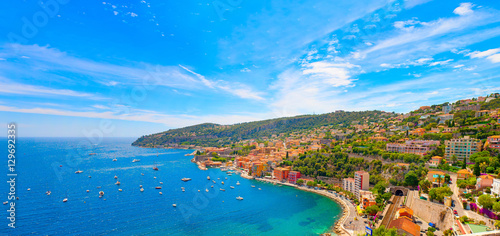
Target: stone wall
x,y
429,211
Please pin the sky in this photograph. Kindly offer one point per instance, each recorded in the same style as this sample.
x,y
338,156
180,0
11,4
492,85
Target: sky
x,y
129,68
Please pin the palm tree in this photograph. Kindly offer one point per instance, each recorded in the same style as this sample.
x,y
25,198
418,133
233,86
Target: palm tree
x,y
439,179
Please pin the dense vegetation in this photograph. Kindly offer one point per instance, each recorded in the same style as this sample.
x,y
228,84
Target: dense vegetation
x,y
217,135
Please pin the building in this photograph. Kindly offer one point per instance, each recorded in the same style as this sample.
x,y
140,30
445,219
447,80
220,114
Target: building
x,y
447,109
482,113
361,182
464,174
418,147
494,142
348,184
444,118
495,187
462,148
484,181
405,226
435,161
281,173
469,108
293,176
405,212
366,199
436,177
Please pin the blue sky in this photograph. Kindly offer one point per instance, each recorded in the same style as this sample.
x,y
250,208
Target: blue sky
x,y
128,68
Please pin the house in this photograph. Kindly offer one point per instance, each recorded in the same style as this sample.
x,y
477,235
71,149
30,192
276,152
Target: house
x,y
418,131
445,117
405,226
366,199
281,173
435,177
484,181
482,113
464,174
435,161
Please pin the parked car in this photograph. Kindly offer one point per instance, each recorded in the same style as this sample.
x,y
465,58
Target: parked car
x,y
455,212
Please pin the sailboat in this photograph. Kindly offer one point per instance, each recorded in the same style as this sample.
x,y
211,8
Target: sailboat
x,y
237,182
156,167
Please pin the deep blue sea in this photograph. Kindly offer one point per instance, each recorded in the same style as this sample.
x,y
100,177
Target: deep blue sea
x,y
50,163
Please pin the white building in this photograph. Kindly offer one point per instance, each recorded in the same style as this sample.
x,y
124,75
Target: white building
x,y
348,184
361,182
495,187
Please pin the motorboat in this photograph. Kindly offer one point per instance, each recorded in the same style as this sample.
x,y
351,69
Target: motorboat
x,y
142,190
208,177
92,153
238,183
212,186
155,168
158,187
115,159
88,190
222,182
185,179
116,177
120,189
206,190
136,160
65,200
231,186
222,189
253,186
161,193
161,182
174,205
117,183
48,193
260,189
29,189
78,172
101,193
239,198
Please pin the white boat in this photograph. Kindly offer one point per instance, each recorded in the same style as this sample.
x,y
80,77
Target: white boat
x,y
114,159
238,183
117,183
213,181
161,182
174,205
101,193
48,193
116,177
229,175
185,179
239,198
29,189
88,190
260,189
222,182
120,189
208,177
78,172
142,190
65,200
199,190
90,176
253,186
183,190
161,193
5,203
136,160
231,186
212,186
206,190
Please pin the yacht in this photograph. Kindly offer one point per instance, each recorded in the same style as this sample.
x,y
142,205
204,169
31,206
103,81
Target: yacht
x,y
185,179
136,160
238,183
78,172
239,198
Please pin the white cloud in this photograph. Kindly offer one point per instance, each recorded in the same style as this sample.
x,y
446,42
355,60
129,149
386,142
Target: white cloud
x,y
478,54
441,62
494,58
333,74
245,70
465,8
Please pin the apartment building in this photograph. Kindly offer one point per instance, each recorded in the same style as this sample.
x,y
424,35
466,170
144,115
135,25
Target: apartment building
x,y
463,148
348,184
418,147
361,182
494,142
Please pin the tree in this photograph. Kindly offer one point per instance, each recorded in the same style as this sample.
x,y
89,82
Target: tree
x,y
372,210
411,179
300,181
425,185
486,201
440,193
382,231
447,178
310,183
497,224
380,187
477,170
496,206
454,158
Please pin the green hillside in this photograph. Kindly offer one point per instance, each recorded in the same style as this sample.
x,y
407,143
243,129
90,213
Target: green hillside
x,y
215,135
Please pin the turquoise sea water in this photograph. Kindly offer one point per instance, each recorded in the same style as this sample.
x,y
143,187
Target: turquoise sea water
x,y
273,210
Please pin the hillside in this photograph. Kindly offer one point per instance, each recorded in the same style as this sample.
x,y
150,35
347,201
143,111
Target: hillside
x,y
213,134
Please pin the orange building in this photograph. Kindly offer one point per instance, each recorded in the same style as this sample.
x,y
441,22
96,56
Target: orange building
x,y
464,174
281,173
404,211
